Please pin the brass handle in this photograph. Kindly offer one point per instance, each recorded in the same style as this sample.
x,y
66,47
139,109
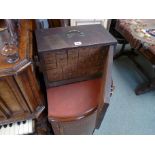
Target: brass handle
x,y
71,33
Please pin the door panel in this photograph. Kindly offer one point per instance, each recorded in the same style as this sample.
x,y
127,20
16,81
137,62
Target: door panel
x,y
11,100
29,87
106,86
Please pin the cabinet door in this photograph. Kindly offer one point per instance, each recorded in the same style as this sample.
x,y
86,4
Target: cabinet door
x,y
106,86
12,103
29,87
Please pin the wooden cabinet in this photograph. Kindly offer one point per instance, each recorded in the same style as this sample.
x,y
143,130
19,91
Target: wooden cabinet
x,y
20,96
79,60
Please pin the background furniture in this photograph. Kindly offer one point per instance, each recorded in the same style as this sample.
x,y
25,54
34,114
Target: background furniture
x,y
58,23
71,57
20,96
103,22
52,23
134,31
120,39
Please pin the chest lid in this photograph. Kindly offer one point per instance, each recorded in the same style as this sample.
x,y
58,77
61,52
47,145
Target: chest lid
x,y
70,37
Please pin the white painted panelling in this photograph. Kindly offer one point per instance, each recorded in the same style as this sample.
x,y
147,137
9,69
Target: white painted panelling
x,y
104,22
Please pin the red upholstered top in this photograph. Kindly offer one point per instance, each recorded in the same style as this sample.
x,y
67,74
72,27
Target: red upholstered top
x,y
73,100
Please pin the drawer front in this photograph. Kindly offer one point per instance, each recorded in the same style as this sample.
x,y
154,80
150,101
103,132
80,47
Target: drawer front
x,y
73,63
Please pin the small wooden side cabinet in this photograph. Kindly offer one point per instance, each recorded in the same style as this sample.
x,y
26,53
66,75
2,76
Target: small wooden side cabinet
x,y
77,65
20,96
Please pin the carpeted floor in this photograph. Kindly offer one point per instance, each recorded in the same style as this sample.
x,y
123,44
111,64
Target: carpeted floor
x,y
129,114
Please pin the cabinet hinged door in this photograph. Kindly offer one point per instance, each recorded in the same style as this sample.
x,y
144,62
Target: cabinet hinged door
x,y
106,86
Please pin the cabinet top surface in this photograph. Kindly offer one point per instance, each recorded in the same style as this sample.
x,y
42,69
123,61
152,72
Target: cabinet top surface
x,y
23,51
70,37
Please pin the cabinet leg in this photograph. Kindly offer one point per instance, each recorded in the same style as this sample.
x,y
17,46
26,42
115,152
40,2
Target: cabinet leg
x,y
42,125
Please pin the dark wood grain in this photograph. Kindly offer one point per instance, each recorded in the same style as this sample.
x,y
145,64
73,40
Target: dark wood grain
x,y
69,66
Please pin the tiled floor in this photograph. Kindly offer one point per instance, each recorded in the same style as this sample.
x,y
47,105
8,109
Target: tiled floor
x,y
128,113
